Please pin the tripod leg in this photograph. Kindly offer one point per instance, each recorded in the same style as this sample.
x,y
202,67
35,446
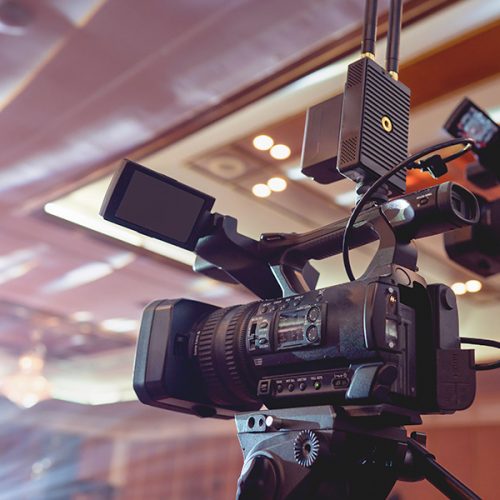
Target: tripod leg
x,y
437,475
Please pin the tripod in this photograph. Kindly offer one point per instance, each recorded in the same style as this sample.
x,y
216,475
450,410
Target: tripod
x,y
325,453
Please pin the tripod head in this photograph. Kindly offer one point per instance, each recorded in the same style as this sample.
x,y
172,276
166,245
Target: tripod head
x,y
323,453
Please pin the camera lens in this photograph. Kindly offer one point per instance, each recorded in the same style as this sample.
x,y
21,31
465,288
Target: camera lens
x,y
221,357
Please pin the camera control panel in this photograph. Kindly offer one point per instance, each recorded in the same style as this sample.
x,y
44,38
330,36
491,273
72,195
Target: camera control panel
x,y
290,323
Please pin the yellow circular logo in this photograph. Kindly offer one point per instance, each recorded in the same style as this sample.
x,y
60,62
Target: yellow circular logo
x,y
386,123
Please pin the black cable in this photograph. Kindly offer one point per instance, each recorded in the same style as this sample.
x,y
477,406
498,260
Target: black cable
x,y
487,366
458,154
488,343
409,162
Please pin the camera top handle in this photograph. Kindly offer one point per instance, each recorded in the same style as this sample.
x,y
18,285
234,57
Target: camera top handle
x,y
278,264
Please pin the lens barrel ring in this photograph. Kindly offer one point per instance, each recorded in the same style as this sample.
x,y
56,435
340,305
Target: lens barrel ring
x,y
205,354
220,357
234,350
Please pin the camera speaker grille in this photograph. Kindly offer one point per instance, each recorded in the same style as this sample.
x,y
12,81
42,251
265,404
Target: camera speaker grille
x,y
355,74
349,150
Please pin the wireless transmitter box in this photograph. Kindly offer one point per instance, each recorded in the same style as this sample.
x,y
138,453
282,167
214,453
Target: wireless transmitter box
x,y
321,141
374,126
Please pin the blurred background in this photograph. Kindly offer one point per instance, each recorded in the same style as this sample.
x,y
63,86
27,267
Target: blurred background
x,y
184,87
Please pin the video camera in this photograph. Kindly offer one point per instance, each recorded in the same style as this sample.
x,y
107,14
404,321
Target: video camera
x,y
477,247
340,369
387,337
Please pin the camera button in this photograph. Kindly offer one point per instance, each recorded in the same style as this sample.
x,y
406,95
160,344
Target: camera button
x,y
264,387
313,314
312,334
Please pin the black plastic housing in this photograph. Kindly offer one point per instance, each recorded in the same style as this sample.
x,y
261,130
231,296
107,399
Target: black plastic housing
x,y
156,205
321,141
477,247
438,209
164,374
376,342
469,121
375,125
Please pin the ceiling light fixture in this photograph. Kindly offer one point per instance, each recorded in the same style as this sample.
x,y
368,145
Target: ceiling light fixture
x,y
120,325
80,276
473,286
82,316
263,142
459,288
277,184
280,152
261,190
226,166
28,386
65,211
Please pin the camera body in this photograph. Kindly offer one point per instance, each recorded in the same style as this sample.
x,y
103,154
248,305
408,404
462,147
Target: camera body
x,y
384,339
377,340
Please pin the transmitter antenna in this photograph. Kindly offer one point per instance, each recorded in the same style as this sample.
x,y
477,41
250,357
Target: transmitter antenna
x,y
392,54
369,30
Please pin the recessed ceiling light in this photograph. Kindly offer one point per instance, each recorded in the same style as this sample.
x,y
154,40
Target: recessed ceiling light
x,y
263,142
473,286
280,152
277,184
261,190
459,288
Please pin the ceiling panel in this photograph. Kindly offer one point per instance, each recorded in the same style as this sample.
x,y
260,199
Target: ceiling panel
x,y
136,69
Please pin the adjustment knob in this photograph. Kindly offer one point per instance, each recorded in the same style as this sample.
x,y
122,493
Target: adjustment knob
x,y
312,334
306,448
313,314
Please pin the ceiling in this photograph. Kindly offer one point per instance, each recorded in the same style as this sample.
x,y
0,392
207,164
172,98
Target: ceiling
x,y
85,83
89,81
